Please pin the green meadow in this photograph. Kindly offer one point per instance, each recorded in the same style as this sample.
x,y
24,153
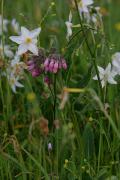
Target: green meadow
x,y
59,91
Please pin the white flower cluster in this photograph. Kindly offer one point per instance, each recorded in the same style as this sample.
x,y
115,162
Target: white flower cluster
x,y
27,41
5,50
14,25
87,12
109,73
14,72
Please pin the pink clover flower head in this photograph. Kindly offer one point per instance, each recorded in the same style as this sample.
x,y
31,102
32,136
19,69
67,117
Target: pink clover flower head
x,y
54,62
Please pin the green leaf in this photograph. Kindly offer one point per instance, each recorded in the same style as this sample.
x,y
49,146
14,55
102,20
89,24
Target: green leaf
x,y
88,137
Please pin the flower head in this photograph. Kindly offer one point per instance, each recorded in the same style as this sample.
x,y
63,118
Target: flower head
x,y
83,5
5,23
106,75
49,146
14,72
13,81
54,63
17,66
116,63
27,41
15,26
6,51
35,63
69,26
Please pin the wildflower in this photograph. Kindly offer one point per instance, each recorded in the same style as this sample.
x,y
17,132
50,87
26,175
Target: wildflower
x,y
35,71
69,26
6,51
31,97
14,72
27,41
83,168
5,22
54,63
66,163
96,16
106,75
35,63
17,66
13,81
83,6
15,26
117,26
49,146
116,63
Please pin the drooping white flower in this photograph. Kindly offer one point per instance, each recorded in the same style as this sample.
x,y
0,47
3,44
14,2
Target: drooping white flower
x,y
15,72
69,26
17,66
15,26
14,82
27,41
83,6
5,22
116,63
106,75
6,51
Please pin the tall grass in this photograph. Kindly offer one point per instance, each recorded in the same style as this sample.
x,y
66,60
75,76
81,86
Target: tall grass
x,y
85,134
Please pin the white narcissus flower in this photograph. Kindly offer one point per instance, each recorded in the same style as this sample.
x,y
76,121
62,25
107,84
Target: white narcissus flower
x,y
15,72
83,5
116,63
17,66
6,51
27,41
69,26
5,22
15,25
13,81
106,75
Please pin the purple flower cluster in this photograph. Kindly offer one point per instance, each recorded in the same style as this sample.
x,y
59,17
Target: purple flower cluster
x,y
54,63
33,68
35,64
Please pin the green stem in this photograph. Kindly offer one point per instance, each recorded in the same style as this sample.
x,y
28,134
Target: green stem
x,y
54,108
2,39
89,49
100,147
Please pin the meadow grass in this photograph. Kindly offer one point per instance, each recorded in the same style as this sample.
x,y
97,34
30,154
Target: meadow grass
x,y
82,140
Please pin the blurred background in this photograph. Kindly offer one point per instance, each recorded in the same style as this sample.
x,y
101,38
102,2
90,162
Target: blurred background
x,y
31,12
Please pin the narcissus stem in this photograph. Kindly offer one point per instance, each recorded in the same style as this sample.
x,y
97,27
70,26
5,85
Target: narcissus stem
x,y
89,49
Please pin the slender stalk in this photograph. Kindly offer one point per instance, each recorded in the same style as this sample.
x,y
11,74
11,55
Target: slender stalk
x,y
57,135
2,39
99,153
89,49
2,56
54,108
